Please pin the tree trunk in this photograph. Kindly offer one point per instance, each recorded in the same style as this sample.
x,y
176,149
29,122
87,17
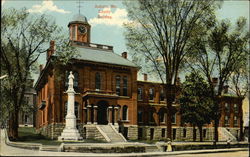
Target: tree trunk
x,y
216,123
170,96
200,130
13,125
194,133
241,129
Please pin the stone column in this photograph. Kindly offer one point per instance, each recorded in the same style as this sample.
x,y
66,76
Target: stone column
x,y
89,114
116,115
95,114
70,131
85,115
110,114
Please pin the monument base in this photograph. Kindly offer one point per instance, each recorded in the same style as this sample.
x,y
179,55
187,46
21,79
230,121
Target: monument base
x,y
70,135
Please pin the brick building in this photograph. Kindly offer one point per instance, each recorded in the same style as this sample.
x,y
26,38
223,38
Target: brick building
x,y
109,94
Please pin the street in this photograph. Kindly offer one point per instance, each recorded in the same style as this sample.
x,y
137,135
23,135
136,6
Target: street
x,y
13,151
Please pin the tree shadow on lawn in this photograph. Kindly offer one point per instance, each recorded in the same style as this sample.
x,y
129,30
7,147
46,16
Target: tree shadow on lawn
x,y
29,135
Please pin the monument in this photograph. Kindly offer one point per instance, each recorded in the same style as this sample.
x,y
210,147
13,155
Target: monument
x,y
70,132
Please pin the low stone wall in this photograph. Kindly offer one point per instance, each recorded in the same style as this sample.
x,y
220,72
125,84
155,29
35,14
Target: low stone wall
x,y
181,133
102,149
132,132
54,130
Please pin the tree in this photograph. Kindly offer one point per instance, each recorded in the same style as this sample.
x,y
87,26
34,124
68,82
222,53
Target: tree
x,y
158,35
24,38
220,53
196,104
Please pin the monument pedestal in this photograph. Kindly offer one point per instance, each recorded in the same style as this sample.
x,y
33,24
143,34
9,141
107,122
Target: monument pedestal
x,y
70,132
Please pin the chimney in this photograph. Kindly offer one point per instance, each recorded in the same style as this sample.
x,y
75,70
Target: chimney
x,y
225,88
124,55
41,67
51,49
145,77
52,46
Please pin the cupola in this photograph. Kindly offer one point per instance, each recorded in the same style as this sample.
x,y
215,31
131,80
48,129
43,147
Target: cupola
x,y
79,29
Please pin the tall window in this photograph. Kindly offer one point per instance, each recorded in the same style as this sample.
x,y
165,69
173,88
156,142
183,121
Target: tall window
x,y
184,132
174,118
125,86
151,116
118,85
162,116
76,79
140,93
151,93
236,109
227,108
73,32
97,81
140,116
125,112
226,120
235,121
162,95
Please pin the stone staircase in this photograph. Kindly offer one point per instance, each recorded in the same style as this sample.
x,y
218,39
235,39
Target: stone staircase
x,y
112,133
225,135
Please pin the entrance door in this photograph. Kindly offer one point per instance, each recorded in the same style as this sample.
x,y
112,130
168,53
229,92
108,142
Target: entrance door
x,y
102,112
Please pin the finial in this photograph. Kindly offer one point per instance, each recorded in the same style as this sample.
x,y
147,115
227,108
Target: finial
x,y
79,7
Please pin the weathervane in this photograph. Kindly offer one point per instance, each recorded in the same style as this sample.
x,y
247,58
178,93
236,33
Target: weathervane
x,y
79,7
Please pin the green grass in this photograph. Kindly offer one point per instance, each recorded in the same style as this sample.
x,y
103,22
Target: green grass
x,y
29,135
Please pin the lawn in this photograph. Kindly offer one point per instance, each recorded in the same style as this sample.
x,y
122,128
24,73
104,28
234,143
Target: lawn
x,y
27,134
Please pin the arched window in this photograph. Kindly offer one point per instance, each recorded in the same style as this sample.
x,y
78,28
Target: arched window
x,y
75,82
226,120
174,118
235,121
118,85
151,93
162,116
140,115
125,86
76,109
74,33
162,95
125,113
227,108
97,81
151,115
139,93
236,109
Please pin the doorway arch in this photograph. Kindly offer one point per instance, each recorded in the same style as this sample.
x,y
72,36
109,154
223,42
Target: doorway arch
x,y
102,117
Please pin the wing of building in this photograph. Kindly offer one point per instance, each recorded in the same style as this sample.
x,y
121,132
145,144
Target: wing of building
x,y
109,98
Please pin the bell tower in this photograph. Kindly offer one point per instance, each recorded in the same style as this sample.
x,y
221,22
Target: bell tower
x,y
79,29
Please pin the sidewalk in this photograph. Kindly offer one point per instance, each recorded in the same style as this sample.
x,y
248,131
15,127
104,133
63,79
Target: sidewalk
x,y
13,151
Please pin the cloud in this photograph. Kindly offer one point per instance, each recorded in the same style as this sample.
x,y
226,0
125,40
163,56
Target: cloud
x,y
47,5
3,1
107,17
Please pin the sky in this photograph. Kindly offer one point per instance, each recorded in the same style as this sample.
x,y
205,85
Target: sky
x,y
107,31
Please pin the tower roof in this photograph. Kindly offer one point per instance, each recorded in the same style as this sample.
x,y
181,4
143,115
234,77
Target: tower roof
x,y
79,18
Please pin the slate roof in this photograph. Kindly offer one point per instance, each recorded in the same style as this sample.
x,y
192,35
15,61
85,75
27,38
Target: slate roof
x,y
102,56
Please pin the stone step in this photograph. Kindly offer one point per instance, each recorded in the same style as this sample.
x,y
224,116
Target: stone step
x,y
50,148
151,148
